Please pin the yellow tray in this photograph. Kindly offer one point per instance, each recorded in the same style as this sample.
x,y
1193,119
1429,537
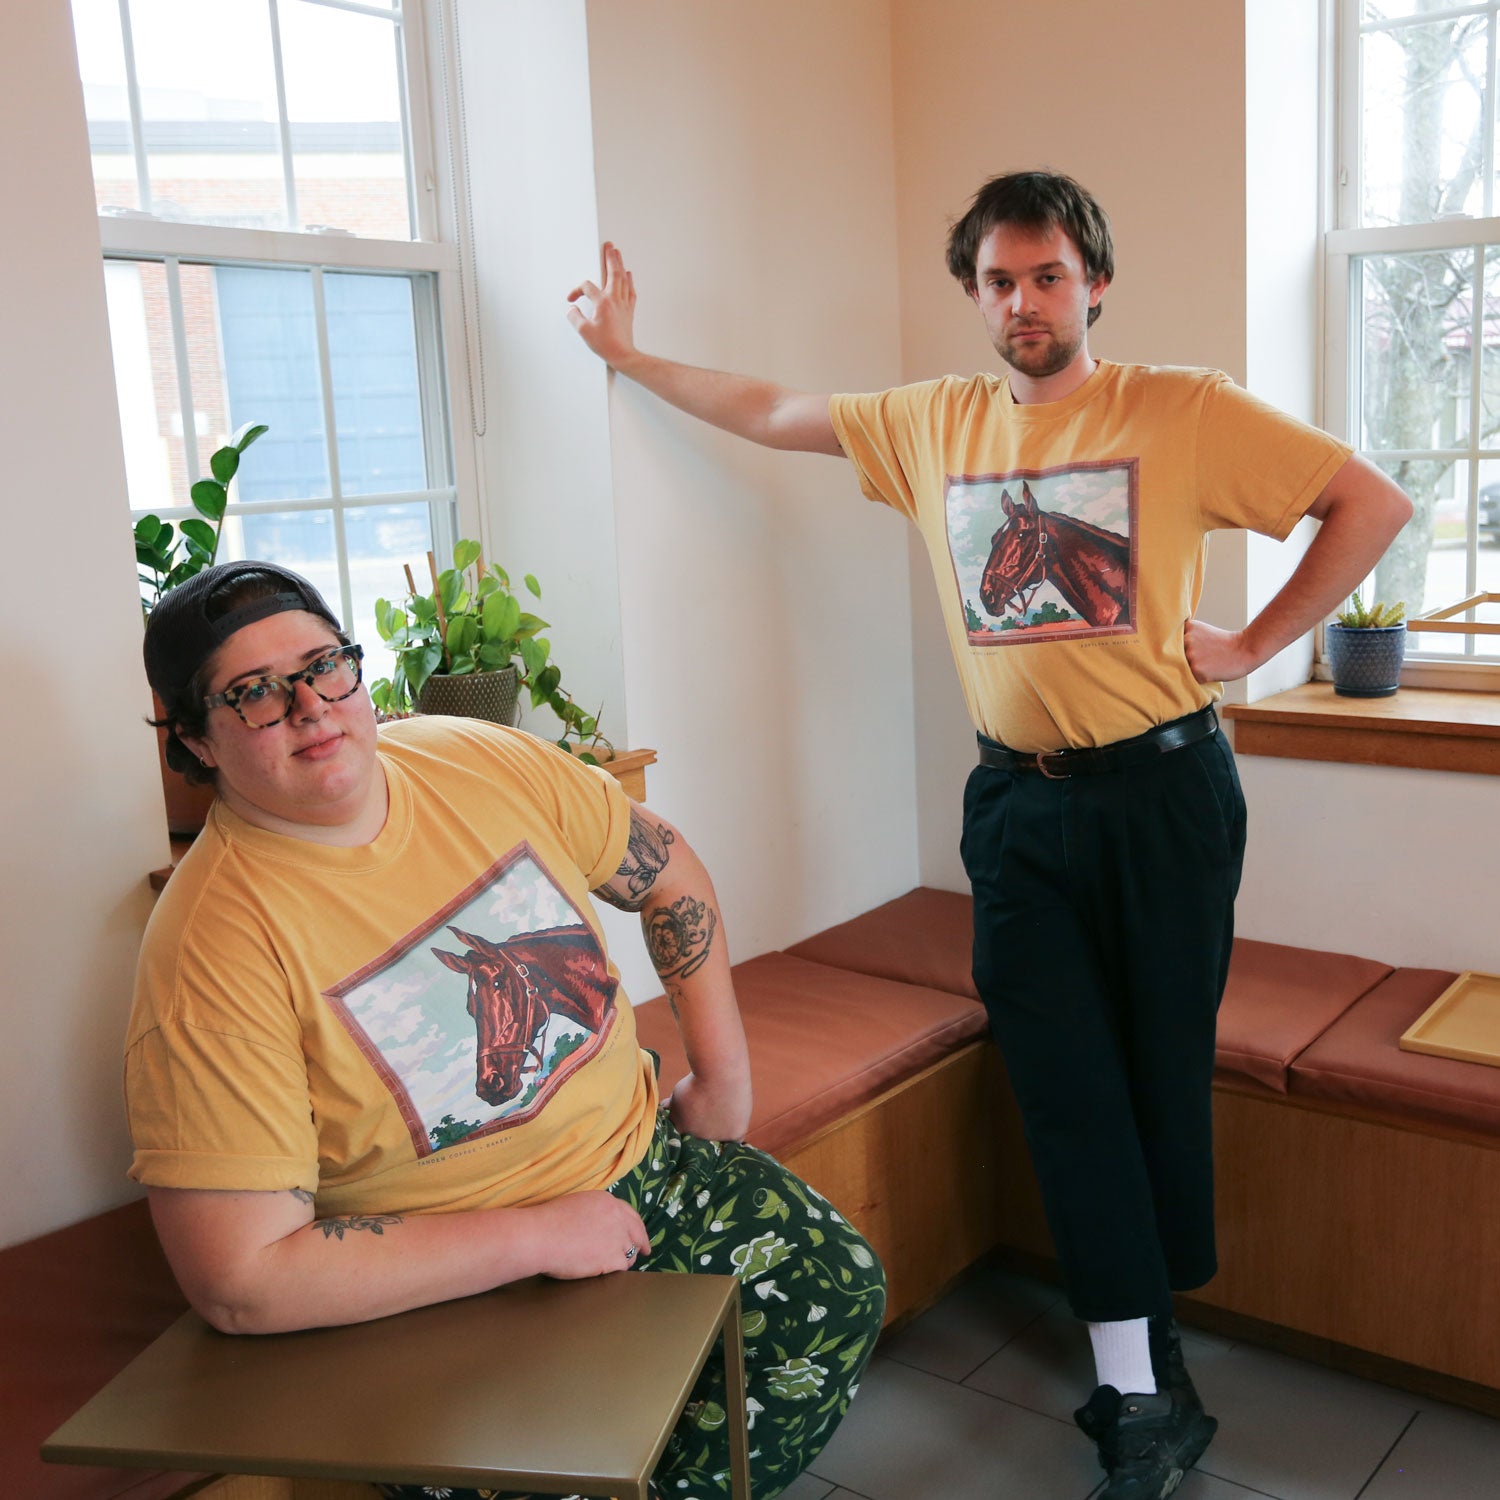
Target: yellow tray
x,y
1463,1022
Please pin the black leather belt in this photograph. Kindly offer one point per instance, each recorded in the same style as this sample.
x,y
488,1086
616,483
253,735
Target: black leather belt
x,y
1056,765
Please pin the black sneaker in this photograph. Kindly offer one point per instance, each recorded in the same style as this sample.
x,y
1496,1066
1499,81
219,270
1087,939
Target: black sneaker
x,y
1151,1441
1167,1363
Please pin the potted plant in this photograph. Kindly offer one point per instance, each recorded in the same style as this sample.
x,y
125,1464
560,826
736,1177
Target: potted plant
x,y
167,556
1366,648
471,647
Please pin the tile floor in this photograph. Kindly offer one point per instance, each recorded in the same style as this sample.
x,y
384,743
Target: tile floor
x,y
975,1399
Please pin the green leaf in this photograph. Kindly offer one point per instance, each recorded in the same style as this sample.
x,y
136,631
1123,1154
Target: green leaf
x,y
210,497
547,681
500,616
493,657
224,464
201,533
465,554
147,529
530,624
534,586
533,656
249,435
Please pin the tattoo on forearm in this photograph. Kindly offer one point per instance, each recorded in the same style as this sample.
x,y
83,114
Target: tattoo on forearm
x,y
337,1228
674,999
301,1195
679,936
646,857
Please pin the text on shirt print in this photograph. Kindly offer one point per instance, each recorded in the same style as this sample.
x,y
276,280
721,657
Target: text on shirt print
x,y
476,1017
1044,554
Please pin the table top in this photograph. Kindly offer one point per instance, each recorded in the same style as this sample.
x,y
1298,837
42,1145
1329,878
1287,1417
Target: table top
x,y
545,1385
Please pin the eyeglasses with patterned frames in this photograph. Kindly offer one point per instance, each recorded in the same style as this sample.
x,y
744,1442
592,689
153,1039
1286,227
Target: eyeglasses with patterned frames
x,y
264,701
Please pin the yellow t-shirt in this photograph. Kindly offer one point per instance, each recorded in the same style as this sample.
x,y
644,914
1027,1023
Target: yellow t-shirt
x,y
424,1024
1068,538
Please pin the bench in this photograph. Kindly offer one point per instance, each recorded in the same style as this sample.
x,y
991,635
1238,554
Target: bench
x,y
1359,1186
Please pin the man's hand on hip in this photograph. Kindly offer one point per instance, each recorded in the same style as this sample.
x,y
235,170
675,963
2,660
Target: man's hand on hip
x,y
1215,655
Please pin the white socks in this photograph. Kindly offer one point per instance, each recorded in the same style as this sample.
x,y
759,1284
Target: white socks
x,y
1122,1356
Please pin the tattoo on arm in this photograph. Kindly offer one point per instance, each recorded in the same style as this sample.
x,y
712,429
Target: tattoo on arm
x,y
646,857
301,1195
674,999
679,937
337,1228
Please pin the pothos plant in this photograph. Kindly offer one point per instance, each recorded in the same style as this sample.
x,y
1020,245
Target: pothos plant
x,y
473,621
166,555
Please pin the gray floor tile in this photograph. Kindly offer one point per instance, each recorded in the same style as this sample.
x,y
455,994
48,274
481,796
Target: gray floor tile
x,y
971,1323
1293,1430
1444,1455
1049,1366
808,1487
914,1436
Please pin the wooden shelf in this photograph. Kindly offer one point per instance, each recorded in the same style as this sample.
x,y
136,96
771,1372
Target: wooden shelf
x,y
1424,728
628,767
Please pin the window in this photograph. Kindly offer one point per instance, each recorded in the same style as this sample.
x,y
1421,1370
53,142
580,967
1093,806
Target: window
x,y
268,259
1413,278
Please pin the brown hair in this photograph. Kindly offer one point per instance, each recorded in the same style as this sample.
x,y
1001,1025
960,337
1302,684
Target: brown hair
x,y
1035,201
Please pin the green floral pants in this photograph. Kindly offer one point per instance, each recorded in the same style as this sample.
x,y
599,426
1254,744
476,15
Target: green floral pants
x,y
812,1298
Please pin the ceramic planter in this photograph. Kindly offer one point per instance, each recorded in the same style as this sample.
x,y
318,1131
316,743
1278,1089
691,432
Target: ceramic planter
x,y
473,695
1366,660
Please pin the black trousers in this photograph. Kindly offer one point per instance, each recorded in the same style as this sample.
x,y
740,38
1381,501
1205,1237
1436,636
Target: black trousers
x,y
1103,918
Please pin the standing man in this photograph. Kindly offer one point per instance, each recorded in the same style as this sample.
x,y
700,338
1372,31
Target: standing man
x,y
1065,508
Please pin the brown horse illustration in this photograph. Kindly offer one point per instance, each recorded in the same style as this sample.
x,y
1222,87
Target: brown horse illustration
x,y
1087,565
515,986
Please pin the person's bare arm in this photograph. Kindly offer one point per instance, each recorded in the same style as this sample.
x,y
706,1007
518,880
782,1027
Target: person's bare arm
x,y
259,1262
665,881
1361,511
759,410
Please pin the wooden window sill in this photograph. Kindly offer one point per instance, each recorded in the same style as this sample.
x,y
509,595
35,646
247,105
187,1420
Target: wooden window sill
x,y
628,767
1429,729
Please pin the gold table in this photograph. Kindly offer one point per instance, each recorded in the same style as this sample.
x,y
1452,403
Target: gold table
x,y
545,1386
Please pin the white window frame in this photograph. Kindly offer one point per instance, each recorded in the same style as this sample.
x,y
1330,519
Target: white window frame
x,y
1344,240
440,331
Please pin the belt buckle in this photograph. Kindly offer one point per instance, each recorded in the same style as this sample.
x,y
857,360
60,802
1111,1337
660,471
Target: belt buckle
x,y
1041,765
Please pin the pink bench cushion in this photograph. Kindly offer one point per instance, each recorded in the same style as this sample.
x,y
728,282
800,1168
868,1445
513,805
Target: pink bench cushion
x,y
823,1040
76,1306
1280,1000
1358,1060
925,937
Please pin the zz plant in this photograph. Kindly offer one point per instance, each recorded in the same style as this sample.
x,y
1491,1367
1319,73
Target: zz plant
x,y
473,621
166,555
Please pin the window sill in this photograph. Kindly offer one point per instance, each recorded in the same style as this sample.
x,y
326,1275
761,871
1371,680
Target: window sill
x,y
1426,729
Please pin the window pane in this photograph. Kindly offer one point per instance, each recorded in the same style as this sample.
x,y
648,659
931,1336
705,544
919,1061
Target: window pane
x,y
1421,121
348,151
372,352
208,106
381,538
106,101
140,335
270,352
1415,371
1426,566
298,539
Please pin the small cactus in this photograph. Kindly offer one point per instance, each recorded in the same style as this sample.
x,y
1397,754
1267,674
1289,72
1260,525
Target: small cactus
x,y
1357,617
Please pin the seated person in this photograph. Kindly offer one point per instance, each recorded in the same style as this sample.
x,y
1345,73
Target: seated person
x,y
379,1056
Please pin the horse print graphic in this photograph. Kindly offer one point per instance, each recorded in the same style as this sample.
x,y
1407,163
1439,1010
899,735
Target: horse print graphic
x,y
1041,554
466,1057
515,987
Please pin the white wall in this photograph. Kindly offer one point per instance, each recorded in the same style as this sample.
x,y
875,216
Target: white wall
x,y
1145,106
743,153
80,800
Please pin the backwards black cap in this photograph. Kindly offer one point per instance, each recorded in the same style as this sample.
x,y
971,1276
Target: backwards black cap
x,y
184,629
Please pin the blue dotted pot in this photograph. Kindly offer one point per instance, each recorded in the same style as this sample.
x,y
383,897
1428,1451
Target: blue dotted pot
x,y
1366,660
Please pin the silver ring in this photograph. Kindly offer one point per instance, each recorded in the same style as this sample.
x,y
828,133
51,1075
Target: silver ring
x,y
630,1254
